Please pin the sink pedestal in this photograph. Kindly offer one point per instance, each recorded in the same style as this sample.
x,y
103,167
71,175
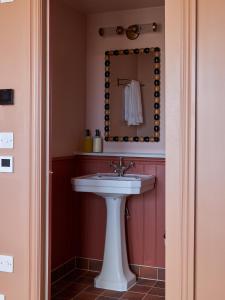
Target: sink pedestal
x,y
115,274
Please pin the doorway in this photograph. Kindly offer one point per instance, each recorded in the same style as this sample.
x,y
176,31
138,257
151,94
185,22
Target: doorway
x,y
77,72
82,104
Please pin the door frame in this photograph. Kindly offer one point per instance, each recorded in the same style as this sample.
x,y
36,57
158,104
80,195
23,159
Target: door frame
x,y
181,32
180,149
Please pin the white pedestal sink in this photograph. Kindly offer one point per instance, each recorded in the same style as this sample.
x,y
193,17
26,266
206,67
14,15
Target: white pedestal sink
x,y
115,274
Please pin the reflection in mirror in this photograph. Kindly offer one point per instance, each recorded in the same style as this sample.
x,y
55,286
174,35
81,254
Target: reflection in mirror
x,y
132,95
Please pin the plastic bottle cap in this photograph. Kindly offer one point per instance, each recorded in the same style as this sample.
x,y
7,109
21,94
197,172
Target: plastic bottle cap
x,y
87,132
97,132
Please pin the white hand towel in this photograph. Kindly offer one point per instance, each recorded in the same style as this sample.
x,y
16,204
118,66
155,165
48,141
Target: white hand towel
x,y
126,102
133,104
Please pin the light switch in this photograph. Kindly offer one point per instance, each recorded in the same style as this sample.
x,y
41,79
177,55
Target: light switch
x,y
2,297
5,1
6,164
6,140
6,263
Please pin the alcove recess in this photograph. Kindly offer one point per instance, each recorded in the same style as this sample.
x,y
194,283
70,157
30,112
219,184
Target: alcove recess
x,y
77,57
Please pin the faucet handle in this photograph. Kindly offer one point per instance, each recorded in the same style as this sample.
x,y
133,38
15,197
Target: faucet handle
x,y
131,164
113,165
119,167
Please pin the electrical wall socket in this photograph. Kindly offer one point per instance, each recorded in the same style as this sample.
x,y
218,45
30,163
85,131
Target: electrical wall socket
x,y
2,297
6,264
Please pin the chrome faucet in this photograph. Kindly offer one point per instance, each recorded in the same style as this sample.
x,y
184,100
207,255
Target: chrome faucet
x,y
119,168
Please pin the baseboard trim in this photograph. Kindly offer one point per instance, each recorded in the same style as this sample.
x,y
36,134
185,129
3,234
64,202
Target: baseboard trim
x,y
95,265
141,271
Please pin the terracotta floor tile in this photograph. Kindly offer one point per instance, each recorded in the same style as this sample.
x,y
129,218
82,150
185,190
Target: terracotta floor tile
x,y
133,296
152,297
140,289
59,285
94,290
68,294
85,296
54,291
113,294
105,298
86,280
77,287
146,282
70,290
61,298
157,291
75,275
80,286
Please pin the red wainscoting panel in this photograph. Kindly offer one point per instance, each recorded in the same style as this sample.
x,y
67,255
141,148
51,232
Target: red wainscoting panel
x,y
146,224
160,215
64,210
79,219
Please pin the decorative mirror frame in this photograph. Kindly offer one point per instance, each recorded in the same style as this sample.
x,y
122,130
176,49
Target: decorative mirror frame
x,y
156,77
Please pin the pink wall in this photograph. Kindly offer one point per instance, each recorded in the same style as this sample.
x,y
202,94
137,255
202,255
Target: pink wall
x,y
77,73
15,199
210,220
67,77
96,47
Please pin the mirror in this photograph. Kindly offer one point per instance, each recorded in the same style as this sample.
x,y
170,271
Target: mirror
x,y
132,95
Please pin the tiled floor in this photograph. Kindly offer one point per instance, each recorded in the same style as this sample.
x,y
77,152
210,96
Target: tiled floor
x,y
80,285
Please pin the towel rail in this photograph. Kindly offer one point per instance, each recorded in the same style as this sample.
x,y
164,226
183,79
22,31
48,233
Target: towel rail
x,y
120,82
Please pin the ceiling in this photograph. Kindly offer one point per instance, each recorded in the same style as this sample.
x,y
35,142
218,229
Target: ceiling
x,y
97,6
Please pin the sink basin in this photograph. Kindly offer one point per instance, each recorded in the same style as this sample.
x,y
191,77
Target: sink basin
x,y
106,183
115,273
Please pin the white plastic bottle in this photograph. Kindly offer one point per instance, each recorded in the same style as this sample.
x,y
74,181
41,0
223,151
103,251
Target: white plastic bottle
x,y
97,142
